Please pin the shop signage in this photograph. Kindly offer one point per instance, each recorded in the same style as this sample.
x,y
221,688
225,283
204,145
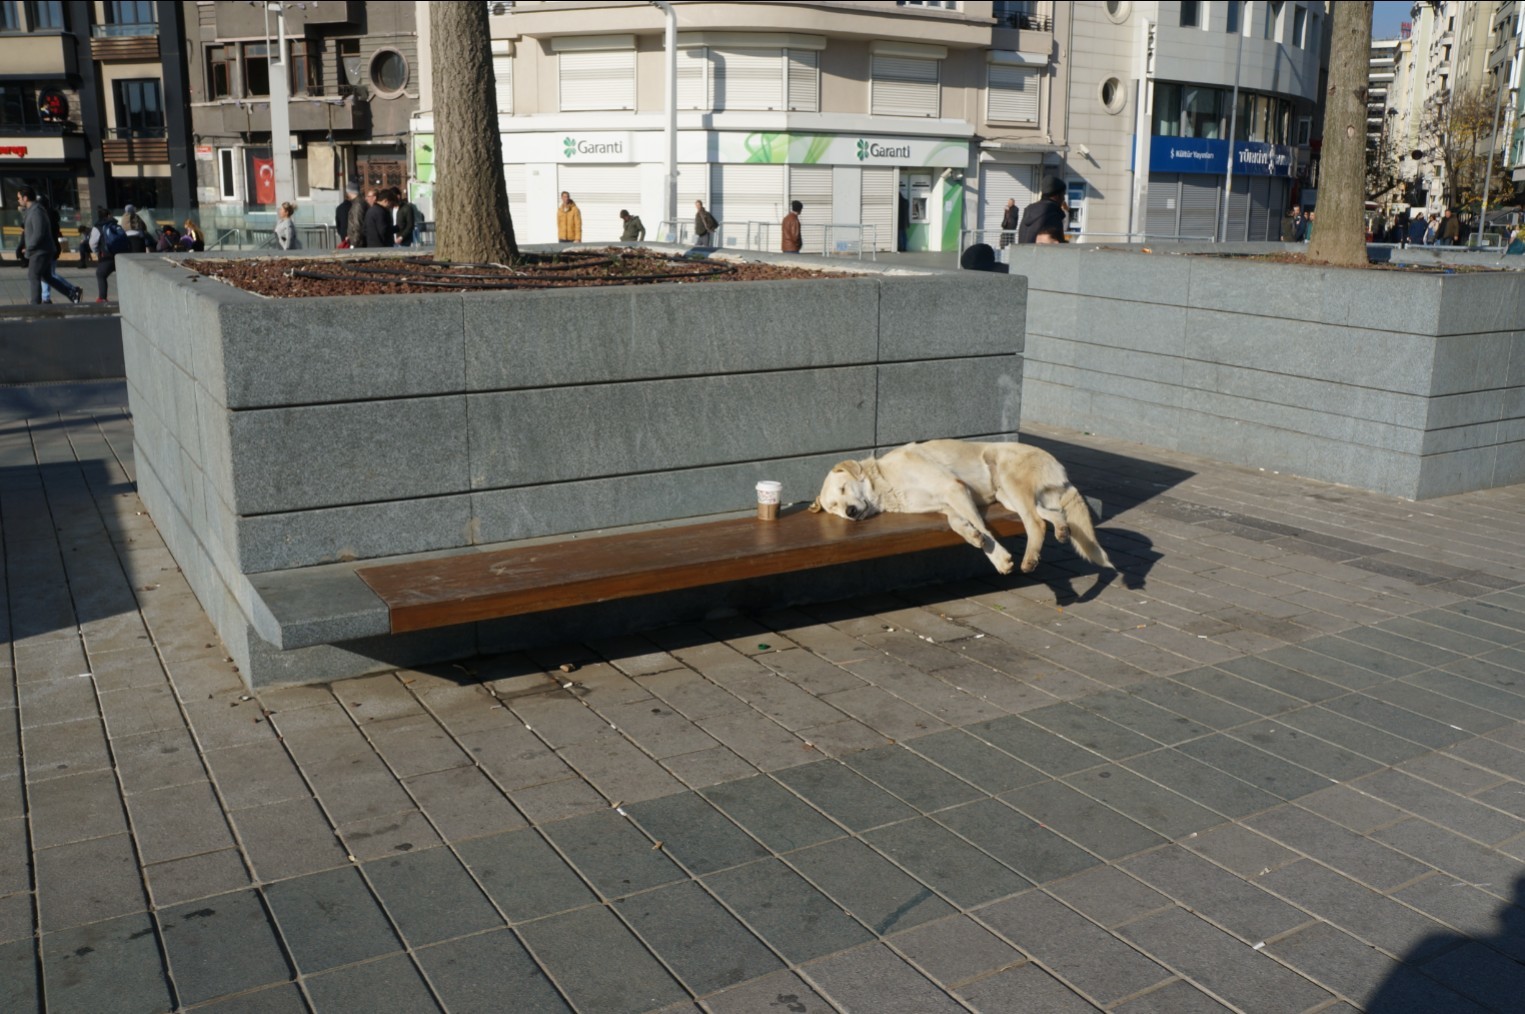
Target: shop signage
x,y
1210,156
19,151
842,149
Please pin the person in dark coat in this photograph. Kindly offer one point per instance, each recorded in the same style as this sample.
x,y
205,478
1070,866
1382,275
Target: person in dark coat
x,y
1044,220
354,230
378,220
1010,219
407,218
342,214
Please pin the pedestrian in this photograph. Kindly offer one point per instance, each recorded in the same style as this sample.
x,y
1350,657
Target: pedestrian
x,y
1010,219
568,220
1432,231
169,239
1450,229
1418,228
1043,221
634,231
705,226
39,242
378,219
191,238
285,228
404,220
1308,226
137,232
107,239
354,223
342,213
790,240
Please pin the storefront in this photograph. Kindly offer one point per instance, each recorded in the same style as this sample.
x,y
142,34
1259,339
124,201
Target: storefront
x,y
1186,189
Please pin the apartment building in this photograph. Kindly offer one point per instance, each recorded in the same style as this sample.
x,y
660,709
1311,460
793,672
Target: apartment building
x,y
1381,70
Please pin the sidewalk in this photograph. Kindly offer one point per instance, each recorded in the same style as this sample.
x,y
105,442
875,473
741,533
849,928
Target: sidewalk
x,y
1277,765
13,288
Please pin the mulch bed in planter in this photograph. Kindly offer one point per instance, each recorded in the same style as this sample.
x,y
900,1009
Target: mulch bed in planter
x,y
335,276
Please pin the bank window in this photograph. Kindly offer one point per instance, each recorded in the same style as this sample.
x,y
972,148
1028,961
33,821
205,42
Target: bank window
x,y
904,86
1299,27
1191,15
219,72
46,15
1200,113
1011,94
256,61
139,112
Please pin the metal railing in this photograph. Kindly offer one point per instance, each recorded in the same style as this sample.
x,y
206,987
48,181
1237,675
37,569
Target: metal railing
x,y
682,232
824,239
995,237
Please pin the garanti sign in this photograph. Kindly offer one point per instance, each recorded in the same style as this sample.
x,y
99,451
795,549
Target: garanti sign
x,y
784,148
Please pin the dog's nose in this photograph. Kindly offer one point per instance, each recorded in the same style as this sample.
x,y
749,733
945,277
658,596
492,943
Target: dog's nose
x,y
852,513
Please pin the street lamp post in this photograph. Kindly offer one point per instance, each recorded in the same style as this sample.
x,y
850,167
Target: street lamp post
x,y
1493,145
280,108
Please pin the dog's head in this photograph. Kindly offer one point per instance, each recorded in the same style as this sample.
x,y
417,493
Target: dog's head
x,y
847,493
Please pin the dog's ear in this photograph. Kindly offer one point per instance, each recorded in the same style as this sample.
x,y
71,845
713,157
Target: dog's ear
x,y
815,506
852,468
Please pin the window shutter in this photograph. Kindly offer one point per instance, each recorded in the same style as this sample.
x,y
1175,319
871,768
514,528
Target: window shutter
x,y
811,185
904,86
1012,94
693,78
597,79
745,193
747,78
998,184
804,80
602,192
1199,207
503,83
877,207
1164,211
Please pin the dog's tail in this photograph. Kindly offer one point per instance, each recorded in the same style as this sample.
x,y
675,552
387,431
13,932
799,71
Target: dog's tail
x,y
1077,515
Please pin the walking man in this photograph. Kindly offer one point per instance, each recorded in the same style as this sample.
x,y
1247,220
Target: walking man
x,y
634,231
704,226
792,241
41,247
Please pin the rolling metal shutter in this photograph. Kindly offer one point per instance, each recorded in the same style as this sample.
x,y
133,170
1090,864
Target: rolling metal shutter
x,y
693,78
904,86
804,80
518,203
747,78
601,191
503,83
1012,94
597,79
878,206
812,186
1238,227
1260,210
746,193
1199,207
998,183
1163,215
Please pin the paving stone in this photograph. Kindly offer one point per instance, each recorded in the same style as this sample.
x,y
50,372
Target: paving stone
x,y
1108,896
1200,782
782,908
1092,825
135,710
462,803
977,762
19,982
1261,769
1329,669
48,702
1240,692
1213,893
551,801
945,862
1354,736
1471,692
695,834
1491,754
388,984
758,740
394,834
1090,730
1357,909
1358,857
288,839
1381,662
1396,720
111,965
1035,746
222,945
87,881
1024,987
875,978
955,950
919,783
1453,854
1103,967
883,897
1365,975
474,975
75,808
885,713
1179,997
657,729
782,991
1133,712
1307,751
210,873
1281,679
523,875
1023,844
845,796
1473,912
1158,809
16,921
704,768
619,770
430,896
157,760
598,963
330,919
773,815
64,748
1351,808
615,857
1438,707
1457,813
699,940
1192,704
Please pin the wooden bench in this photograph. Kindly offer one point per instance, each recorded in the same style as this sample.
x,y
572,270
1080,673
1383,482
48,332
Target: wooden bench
x,y
463,588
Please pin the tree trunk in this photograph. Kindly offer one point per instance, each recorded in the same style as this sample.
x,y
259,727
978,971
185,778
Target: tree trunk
x,y
1339,234
472,222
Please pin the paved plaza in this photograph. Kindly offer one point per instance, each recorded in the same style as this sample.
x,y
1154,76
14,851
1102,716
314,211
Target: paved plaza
x,y
1277,764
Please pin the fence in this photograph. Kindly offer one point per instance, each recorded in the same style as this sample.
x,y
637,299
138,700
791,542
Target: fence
x,y
1000,239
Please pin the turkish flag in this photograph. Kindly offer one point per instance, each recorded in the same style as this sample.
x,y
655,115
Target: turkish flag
x,y
264,181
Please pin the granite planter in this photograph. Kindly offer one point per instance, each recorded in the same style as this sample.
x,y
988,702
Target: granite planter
x,y
1406,383
280,442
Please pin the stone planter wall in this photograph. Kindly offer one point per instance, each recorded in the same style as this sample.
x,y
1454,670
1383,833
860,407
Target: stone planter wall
x,y
278,436
1405,383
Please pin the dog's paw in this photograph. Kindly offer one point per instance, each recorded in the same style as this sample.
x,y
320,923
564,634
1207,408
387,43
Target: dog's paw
x,y
1028,566
1062,533
1003,563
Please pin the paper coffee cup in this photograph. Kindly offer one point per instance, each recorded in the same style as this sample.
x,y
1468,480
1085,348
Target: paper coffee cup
x,y
767,499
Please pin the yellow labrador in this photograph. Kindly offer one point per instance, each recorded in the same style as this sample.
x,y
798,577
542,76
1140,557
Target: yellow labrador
x,y
960,479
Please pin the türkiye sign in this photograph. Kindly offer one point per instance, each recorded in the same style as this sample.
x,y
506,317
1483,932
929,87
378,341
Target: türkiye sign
x,y
1210,155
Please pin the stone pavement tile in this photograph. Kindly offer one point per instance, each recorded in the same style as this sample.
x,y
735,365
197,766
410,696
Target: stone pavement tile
x,y
1361,858
255,774
1159,809
1240,692
657,729
1326,668
523,875
1492,754
695,834
599,964
462,803
183,820
1029,848
783,702
772,814
87,881
955,950
225,721
704,768
789,914
1035,746
157,760
1353,735
1193,704
514,756
1366,976
1481,627
1213,893
390,984
1091,960
1508,796
65,748
1424,651
1241,850
1138,715
946,863
703,944
612,854
1450,853
483,973
976,761
220,946
1438,707
1181,997
1352,808
1495,616
758,740
1229,968
48,702
1360,911
1090,730
691,695
18,977
1499,678
74,808
1456,812
569,797
430,896
875,978
1025,987
809,671
193,877
1472,912
1380,662
16,921
1471,692
781,991
1091,824
1297,747
1002,692
914,780
1107,895
842,738
619,770
926,692
885,713
330,919
1202,783
1282,679
415,745
288,839
389,835
558,718
844,795
58,657
875,891
112,965
136,710
1247,763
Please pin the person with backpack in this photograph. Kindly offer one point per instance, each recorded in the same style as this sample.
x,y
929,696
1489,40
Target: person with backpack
x,y
107,239
705,226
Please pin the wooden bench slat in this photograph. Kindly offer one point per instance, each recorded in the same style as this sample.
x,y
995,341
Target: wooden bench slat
x,y
424,594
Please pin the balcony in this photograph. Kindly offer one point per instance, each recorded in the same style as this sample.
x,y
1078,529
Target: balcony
x,y
124,42
1022,16
38,55
127,150
308,113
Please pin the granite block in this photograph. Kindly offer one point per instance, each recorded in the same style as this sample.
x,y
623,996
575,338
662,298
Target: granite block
x,y
329,919
937,316
344,348
477,973
1122,324
329,455
1478,302
310,538
522,437
1134,278
704,944
948,398
1046,270
600,964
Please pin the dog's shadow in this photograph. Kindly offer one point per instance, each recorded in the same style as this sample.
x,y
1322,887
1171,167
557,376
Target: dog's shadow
x,y
1074,580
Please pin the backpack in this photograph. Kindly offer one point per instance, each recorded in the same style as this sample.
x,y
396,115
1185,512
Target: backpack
x,y
114,239
709,222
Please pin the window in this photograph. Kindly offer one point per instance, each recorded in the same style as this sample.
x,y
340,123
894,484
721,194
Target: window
x,y
389,72
1190,15
227,174
1011,93
130,12
1200,112
719,79
1231,23
1273,18
302,76
46,15
10,16
597,79
1299,27
1167,109
503,81
904,86
256,61
138,110
1304,129
1113,96
946,5
18,106
219,70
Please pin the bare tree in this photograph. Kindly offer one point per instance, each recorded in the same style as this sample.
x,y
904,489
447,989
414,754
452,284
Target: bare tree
x,y
1340,236
1456,132
1383,160
470,195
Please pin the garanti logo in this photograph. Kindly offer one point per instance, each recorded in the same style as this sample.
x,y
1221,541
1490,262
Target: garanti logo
x,y
869,149
571,146
862,149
